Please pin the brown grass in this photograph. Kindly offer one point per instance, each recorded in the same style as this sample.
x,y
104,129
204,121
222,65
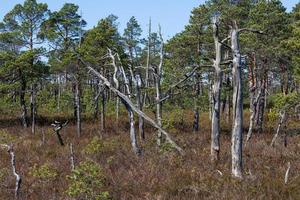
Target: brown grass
x,y
157,174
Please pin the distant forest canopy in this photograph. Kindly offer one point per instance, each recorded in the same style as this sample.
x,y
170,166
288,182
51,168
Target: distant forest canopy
x,y
232,56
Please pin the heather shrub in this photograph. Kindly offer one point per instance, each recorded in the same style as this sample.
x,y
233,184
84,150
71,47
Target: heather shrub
x,y
86,182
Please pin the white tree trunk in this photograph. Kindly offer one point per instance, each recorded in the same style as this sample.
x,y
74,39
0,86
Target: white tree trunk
x,y
237,128
158,91
216,94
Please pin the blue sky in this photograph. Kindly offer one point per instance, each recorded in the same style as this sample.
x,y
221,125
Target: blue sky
x,y
173,15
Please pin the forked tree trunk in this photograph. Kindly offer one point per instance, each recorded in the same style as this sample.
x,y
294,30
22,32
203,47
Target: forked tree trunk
x,y
237,127
125,99
133,138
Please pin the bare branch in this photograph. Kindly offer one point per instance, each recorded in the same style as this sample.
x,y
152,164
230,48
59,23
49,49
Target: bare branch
x,y
129,103
250,30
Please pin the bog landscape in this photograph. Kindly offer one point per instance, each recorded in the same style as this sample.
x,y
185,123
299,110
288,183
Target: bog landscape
x,y
100,112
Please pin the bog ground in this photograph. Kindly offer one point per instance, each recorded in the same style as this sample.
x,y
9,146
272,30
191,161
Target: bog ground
x,y
158,174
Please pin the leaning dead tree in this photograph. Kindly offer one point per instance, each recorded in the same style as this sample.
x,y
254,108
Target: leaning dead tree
x,y
10,150
133,138
57,128
124,98
255,94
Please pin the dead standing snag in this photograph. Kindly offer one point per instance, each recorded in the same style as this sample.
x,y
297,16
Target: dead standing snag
x,y
57,128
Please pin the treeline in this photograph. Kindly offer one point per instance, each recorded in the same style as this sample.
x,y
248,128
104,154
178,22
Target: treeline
x,y
232,54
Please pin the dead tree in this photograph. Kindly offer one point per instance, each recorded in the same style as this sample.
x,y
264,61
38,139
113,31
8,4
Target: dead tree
x,y
282,118
72,160
125,99
57,128
22,92
254,96
140,105
237,126
33,107
10,150
133,138
158,91
148,63
78,102
216,93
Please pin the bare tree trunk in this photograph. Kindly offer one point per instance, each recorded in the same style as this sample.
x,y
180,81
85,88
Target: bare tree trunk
x,y
148,63
139,105
33,108
78,107
196,119
282,117
158,91
102,114
237,128
59,92
210,96
117,109
216,94
10,150
72,162
13,165
196,107
128,101
22,100
133,139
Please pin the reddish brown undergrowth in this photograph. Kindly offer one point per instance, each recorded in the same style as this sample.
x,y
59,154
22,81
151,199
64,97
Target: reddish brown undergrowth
x,y
159,173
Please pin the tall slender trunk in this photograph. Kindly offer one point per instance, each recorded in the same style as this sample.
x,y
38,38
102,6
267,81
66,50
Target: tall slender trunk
x,y
237,128
22,100
78,107
33,108
216,94
196,107
102,114
158,91
59,92
147,64
282,118
139,105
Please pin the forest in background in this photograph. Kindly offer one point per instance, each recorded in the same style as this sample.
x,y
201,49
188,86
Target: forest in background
x,y
212,113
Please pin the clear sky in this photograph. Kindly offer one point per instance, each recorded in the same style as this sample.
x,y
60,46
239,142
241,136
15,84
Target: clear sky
x,y
173,15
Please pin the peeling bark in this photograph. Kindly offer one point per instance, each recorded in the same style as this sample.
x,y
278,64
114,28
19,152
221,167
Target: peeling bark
x,y
237,128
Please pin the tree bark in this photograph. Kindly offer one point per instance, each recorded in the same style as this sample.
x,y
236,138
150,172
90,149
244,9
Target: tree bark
x,y
33,108
216,94
124,98
282,117
78,107
140,105
237,128
158,92
22,100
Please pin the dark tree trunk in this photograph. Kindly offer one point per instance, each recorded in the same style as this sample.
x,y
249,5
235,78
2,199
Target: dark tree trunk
x,y
22,100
